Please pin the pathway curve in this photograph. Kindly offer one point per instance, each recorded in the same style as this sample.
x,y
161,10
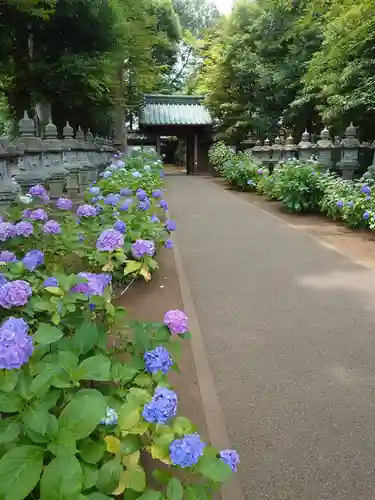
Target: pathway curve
x,y
289,328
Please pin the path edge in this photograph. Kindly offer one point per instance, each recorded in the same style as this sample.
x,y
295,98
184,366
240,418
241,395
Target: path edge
x,y
213,412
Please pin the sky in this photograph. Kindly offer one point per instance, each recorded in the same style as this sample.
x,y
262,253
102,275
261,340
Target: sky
x,y
224,5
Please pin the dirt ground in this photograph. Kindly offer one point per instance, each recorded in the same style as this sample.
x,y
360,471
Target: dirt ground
x,y
357,244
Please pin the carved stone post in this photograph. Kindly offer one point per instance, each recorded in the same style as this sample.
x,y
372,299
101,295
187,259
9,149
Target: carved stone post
x,y
8,189
349,153
53,158
305,147
324,149
277,152
266,153
31,169
289,149
257,151
71,163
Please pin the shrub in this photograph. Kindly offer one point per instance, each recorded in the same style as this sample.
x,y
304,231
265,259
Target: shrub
x,y
220,155
241,172
78,411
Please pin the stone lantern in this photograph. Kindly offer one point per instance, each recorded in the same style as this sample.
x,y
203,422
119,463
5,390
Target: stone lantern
x,y
289,149
266,153
71,163
8,189
53,161
30,165
84,176
257,151
305,147
324,149
277,152
349,147
248,143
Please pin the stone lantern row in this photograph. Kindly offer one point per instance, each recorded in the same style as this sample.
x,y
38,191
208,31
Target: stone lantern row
x,y
69,164
305,150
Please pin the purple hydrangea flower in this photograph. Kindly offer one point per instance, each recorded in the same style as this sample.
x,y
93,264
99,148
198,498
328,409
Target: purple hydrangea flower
x,y
16,345
3,280
120,226
158,360
98,209
52,227
154,219
365,216
24,229
33,259
6,256
176,321
38,190
137,174
26,214
64,204
339,204
143,247
95,284
107,174
260,171
126,192
86,211
164,205
15,294
162,407
231,458
110,240
141,194
7,231
366,189
110,418
126,205
94,190
168,244
51,283
38,214
112,199
161,173
187,451
157,193
170,225
144,205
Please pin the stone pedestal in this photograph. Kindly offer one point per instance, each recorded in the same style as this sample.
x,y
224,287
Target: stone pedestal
x,y
349,146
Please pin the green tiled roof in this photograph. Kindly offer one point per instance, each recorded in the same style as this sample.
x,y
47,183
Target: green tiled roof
x,y
174,110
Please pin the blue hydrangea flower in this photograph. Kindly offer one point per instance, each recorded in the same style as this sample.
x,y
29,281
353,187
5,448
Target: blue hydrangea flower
x,y
52,227
158,360
187,451
126,205
231,458
154,219
86,211
64,204
126,192
162,173
110,240
37,190
16,345
110,418
143,247
6,256
7,231
15,294
120,226
137,174
366,189
94,190
51,283
112,199
250,182
95,284
141,194
33,259
365,216
168,244
107,174
350,204
164,205
24,229
38,214
157,193
339,204
260,171
3,280
162,407
170,225
144,205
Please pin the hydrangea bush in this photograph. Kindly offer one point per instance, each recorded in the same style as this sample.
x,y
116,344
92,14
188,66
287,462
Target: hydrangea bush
x,y
79,409
305,187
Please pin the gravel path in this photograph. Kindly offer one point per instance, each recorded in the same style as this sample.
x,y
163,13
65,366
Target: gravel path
x,y
289,331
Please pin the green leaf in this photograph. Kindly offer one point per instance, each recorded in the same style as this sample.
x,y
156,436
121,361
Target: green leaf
x,y
162,476
214,469
123,373
128,416
65,446
96,368
109,476
10,429
174,489
92,451
196,492
135,478
11,402
67,360
8,380
85,338
36,418
47,334
98,496
90,476
61,480
20,471
82,415
137,396
130,444
132,266
182,426
43,380
151,495
54,290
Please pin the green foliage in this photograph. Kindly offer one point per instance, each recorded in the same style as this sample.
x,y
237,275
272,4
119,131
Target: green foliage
x,y
219,154
57,441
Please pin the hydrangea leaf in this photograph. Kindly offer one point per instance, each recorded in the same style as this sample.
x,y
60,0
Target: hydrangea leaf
x,y
175,490
128,416
131,460
47,334
113,444
92,451
61,479
8,380
109,476
95,368
85,337
214,469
